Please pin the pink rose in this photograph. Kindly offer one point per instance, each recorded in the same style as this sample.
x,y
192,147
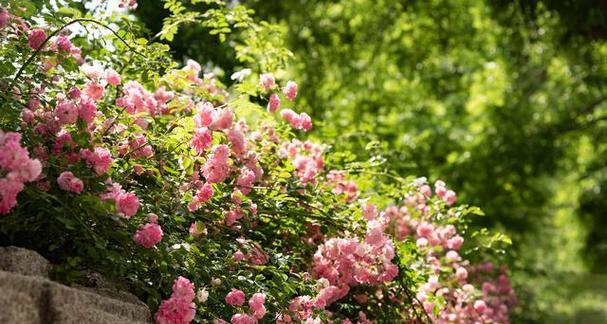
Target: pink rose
x,y
68,182
36,38
242,319
205,193
4,17
267,81
66,112
148,235
183,288
127,203
256,303
99,159
450,197
201,140
274,103
290,90
235,297
175,311
112,77
94,90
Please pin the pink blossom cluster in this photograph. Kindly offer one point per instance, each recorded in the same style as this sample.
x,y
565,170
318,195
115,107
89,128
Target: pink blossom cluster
x,y
76,105
448,196
98,79
36,37
237,138
414,218
5,17
129,4
69,108
204,193
213,118
290,90
267,81
337,180
298,121
253,252
69,182
273,103
450,285
94,90
498,297
201,140
464,303
345,262
245,180
180,307
208,118
137,99
301,307
148,235
16,169
222,160
127,203
307,157
59,44
63,45
233,214
99,159
256,303
341,263
136,147
217,166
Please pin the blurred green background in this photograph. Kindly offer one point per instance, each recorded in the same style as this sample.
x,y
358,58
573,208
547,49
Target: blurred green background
x,y
504,100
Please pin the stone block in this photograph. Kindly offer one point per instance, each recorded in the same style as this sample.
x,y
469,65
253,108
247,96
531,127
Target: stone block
x,y
23,298
36,300
23,261
70,305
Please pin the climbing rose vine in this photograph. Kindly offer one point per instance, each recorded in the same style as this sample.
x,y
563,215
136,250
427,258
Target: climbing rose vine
x,y
204,199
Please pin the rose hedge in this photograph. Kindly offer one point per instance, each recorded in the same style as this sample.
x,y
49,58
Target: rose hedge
x,y
199,198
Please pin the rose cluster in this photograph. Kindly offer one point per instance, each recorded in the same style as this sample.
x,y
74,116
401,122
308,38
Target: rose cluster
x,y
180,308
16,169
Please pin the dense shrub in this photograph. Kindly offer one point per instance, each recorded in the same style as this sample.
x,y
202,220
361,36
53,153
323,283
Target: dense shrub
x,y
201,199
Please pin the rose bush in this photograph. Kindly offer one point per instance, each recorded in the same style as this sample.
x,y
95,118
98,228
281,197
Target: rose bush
x,y
200,198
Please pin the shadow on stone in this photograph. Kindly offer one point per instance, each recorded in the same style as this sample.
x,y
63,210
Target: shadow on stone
x,y
29,297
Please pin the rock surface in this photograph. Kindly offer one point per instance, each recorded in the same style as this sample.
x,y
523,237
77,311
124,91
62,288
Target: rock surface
x,y
23,261
27,297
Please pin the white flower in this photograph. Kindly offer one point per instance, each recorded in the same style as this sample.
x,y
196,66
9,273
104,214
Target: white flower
x,y
240,75
184,246
420,181
202,295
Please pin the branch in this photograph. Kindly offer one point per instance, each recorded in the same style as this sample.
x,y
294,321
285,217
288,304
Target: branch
x,y
590,109
57,31
574,125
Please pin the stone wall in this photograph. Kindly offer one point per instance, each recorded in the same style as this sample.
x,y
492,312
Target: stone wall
x,y
27,296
